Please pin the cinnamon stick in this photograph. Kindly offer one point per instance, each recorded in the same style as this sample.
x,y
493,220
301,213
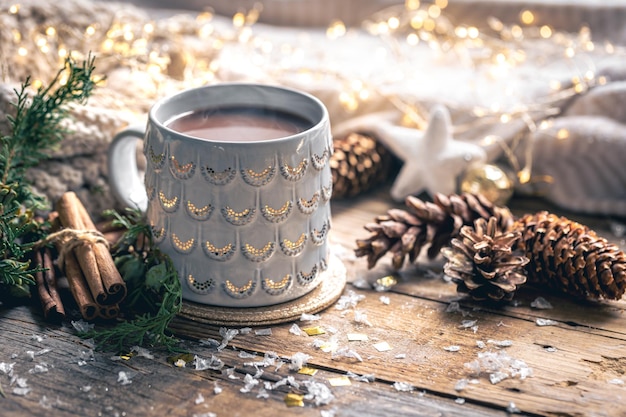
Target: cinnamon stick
x,y
47,287
78,286
109,312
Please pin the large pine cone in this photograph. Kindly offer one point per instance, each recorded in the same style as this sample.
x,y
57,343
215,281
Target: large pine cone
x,y
405,233
569,257
482,263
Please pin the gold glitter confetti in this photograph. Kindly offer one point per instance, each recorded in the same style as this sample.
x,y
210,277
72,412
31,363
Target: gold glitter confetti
x,y
385,283
357,337
294,400
314,331
185,357
339,381
382,347
305,370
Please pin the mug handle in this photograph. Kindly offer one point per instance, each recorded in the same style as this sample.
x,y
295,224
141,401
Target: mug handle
x,y
124,179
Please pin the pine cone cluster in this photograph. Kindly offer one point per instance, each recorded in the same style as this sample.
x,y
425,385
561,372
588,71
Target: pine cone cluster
x,y
569,257
482,262
404,233
358,163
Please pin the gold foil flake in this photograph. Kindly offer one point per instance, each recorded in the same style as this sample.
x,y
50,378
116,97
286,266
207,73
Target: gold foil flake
x,y
277,215
218,178
309,206
306,278
198,213
181,246
319,161
318,237
314,331
200,287
339,381
293,248
385,283
276,287
258,179
181,172
357,337
238,218
239,292
382,347
294,173
305,370
157,159
258,254
294,400
168,204
219,254
184,357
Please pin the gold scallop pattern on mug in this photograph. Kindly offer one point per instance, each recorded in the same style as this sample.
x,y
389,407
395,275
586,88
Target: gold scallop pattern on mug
x,y
307,278
318,237
319,161
234,291
327,192
157,159
181,171
277,215
258,254
294,173
219,254
292,248
276,287
218,177
238,218
158,234
200,287
309,206
181,246
258,179
198,213
169,205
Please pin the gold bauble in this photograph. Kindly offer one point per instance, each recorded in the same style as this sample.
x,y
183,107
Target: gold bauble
x,y
489,180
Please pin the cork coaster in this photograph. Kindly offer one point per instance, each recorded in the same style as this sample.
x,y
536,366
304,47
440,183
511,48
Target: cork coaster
x,y
333,281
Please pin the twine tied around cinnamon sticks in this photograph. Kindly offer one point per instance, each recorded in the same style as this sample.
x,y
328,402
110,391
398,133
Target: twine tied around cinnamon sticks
x,y
84,257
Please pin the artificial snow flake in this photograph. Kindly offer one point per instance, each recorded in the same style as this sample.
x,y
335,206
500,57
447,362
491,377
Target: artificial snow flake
x,y
460,400
263,394
461,384
403,386
498,365
202,364
385,300
328,413
361,317
382,347
207,414
7,368
245,330
480,344
310,317
21,391
400,356
246,355
616,381
361,378
550,349
124,378
541,303
453,348
500,343
217,389
361,283
227,336
298,360
199,399
546,322
82,326
143,352
349,300
249,383
455,307
347,353
263,332
318,392
295,329
39,368
512,408
466,324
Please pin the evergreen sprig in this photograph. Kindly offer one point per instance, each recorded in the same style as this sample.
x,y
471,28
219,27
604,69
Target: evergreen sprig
x,y
35,128
154,291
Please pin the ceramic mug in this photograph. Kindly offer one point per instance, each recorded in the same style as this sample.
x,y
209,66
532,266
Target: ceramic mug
x,y
244,219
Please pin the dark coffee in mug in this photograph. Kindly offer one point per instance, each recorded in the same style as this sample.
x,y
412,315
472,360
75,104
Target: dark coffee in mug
x,y
239,124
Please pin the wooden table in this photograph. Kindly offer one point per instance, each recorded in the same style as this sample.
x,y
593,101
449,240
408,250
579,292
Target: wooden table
x,y
577,365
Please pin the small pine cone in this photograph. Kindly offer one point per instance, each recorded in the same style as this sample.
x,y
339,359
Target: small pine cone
x,y
482,263
569,257
404,233
358,163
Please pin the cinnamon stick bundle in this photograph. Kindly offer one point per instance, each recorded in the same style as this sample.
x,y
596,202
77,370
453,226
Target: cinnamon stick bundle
x,y
93,277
